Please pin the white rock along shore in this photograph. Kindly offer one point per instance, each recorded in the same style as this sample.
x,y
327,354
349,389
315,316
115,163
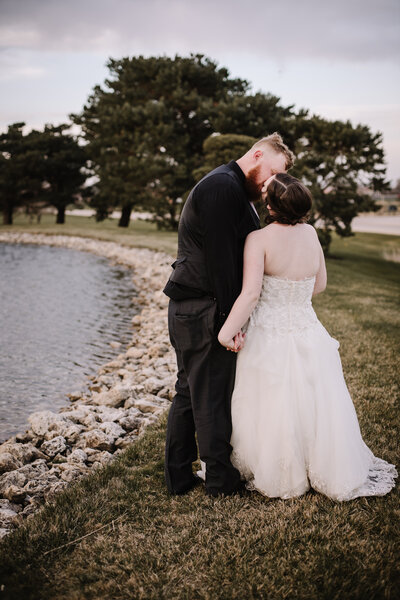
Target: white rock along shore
x,y
124,397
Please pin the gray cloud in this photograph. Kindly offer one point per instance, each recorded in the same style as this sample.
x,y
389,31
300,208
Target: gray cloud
x,y
348,30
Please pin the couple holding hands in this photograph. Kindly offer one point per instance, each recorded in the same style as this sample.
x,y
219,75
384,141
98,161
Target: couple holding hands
x,y
260,381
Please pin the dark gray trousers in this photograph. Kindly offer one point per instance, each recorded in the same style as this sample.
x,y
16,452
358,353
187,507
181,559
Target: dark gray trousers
x,y
202,404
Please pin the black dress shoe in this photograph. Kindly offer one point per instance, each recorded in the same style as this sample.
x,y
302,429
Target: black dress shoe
x,y
239,489
195,481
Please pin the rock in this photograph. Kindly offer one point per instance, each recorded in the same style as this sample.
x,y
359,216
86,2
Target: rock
x,y
106,414
113,398
45,421
30,509
4,503
77,415
147,406
107,380
13,484
111,366
104,457
25,453
113,430
167,393
72,433
91,421
77,456
98,440
91,452
135,352
73,472
9,517
13,478
127,440
130,423
157,350
54,446
153,385
41,485
24,437
95,388
13,493
8,462
59,459
137,392
115,344
54,489
74,396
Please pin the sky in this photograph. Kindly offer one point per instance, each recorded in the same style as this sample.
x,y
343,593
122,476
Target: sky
x,y
339,59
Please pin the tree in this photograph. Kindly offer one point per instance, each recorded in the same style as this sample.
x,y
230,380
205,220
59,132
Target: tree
x,y
20,176
257,116
146,129
42,167
337,161
63,161
220,149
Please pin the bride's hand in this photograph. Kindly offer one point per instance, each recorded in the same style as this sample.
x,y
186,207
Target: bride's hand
x,y
239,340
235,344
228,344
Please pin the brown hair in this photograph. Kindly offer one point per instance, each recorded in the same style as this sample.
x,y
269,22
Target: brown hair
x,y
289,199
275,141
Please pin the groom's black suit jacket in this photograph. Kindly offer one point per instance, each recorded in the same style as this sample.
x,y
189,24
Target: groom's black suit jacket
x,y
213,226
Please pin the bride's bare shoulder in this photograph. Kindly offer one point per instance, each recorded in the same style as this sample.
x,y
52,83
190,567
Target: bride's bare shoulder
x,y
310,228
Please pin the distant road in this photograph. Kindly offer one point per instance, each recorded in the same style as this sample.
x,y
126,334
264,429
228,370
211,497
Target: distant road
x,y
363,223
377,224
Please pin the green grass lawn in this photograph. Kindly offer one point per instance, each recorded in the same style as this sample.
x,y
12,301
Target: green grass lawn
x,y
141,234
123,537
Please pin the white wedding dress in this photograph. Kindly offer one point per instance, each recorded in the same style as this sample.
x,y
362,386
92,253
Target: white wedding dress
x,y
294,423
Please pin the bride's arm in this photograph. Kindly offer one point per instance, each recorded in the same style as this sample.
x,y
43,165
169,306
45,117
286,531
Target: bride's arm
x,y
321,277
253,270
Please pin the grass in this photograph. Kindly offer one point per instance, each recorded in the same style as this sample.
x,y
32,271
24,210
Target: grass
x,y
140,234
143,544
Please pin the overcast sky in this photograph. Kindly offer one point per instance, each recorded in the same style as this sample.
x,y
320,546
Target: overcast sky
x,y
339,59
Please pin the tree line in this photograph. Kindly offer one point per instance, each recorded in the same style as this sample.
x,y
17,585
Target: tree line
x,y
158,124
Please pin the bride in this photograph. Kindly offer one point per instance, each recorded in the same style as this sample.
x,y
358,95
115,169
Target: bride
x,y
294,423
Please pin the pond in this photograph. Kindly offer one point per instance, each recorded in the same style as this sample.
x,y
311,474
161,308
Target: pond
x,y
59,311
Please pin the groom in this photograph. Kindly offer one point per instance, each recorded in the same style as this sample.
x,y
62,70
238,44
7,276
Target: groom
x,y
206,280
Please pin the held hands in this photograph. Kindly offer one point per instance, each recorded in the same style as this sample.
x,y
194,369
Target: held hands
x,y
235,344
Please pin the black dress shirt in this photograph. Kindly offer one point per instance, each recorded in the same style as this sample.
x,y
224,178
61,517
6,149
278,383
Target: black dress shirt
x,y
215,221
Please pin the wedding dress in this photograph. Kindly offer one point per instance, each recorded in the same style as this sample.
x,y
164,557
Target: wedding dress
x,y
294,423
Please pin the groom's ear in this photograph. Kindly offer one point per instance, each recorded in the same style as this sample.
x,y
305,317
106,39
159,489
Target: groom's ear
x,y
258,154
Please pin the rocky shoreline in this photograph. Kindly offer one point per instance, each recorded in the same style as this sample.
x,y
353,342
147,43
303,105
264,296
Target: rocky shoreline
x,y
123,398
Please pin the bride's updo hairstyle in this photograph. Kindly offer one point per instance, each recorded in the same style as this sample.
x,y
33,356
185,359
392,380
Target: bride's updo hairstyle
x,y
289,200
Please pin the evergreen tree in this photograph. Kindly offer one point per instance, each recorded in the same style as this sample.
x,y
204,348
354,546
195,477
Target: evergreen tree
x,y
146,129
63,162
20,171
220,149
337,160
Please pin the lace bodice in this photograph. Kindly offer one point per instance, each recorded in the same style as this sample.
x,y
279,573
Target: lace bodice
x,y
285,305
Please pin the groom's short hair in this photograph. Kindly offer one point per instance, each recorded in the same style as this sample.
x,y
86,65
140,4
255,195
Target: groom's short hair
x,y
275,141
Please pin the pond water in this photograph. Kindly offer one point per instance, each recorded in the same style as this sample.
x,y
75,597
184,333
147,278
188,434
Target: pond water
x,y
59,311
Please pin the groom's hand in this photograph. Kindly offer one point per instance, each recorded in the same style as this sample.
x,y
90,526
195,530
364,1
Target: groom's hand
x,y
228,344
239,341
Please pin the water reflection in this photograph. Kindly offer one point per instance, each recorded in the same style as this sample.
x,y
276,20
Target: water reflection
x,y
59,311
